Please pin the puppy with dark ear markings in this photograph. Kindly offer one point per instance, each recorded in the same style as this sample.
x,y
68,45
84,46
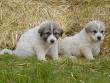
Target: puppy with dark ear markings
x,y
50,35
86,43
40,41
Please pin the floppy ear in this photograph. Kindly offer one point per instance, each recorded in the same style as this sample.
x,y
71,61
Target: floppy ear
x,y
40,31
61,32
88,28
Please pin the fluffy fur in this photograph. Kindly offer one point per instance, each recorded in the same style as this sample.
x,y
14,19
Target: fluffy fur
x,y
40,41
86,43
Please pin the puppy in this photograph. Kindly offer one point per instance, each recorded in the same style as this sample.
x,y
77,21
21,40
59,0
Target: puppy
x,y
86,43
39,41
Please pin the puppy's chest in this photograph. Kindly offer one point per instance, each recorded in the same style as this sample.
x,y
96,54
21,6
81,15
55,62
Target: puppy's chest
x,y
43,46
95,49
38,43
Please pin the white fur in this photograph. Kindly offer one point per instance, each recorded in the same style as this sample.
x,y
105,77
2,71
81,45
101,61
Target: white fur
x,y
30,43
81,44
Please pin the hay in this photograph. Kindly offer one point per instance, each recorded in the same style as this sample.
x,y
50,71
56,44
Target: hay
x,y
16,16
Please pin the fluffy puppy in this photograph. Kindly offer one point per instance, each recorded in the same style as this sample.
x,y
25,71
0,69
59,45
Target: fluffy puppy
x,y
40,41
86,43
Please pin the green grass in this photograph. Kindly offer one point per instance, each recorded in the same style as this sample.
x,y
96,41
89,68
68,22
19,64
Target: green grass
x,y
30,70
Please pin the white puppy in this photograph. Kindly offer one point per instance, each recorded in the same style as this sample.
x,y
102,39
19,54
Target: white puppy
x,y
86,43
40,41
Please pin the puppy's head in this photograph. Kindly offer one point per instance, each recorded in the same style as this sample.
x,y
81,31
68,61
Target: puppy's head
x,y
96,30
50,31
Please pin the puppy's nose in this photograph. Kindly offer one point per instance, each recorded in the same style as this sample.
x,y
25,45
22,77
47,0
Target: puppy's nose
x,y
52,41
99,38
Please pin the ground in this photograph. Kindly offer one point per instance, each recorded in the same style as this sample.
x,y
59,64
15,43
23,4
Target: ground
x,y
16,16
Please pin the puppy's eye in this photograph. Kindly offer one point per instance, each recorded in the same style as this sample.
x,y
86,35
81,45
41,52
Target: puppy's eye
x,y
102,31
56,33
47,33
94,31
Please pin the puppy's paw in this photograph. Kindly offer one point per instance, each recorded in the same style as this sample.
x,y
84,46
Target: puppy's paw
x,y
44,60
56,59
41,58
5,51
73,58
91,58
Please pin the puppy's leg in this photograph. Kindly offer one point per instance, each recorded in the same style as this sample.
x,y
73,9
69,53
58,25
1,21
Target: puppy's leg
x,y
40,53
96,52
66,52
6,51
69,55
87,53
54,52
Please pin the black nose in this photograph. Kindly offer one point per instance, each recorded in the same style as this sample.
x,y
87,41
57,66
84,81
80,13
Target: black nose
x,y
99,38
52,41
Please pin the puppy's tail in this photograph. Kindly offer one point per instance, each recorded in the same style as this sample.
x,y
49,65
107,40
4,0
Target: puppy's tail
x,y
6,51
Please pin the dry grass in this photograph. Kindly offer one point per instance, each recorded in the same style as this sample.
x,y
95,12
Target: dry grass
x,y
16,16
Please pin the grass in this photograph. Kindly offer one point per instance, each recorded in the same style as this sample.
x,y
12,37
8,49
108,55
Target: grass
x,y
30,70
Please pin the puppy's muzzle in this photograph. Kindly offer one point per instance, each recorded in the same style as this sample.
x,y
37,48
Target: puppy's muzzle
x,y
99,38
52,41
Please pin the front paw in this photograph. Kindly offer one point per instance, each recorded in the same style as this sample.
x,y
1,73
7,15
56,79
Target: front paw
x,y
55,58
41,58
91,58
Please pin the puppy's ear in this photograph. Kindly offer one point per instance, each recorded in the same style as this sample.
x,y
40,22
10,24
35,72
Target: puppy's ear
x,y
40,31
61,32
88,28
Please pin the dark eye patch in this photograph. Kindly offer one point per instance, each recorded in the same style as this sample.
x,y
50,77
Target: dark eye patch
x,y
94,31
56,34
47,33
102,31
